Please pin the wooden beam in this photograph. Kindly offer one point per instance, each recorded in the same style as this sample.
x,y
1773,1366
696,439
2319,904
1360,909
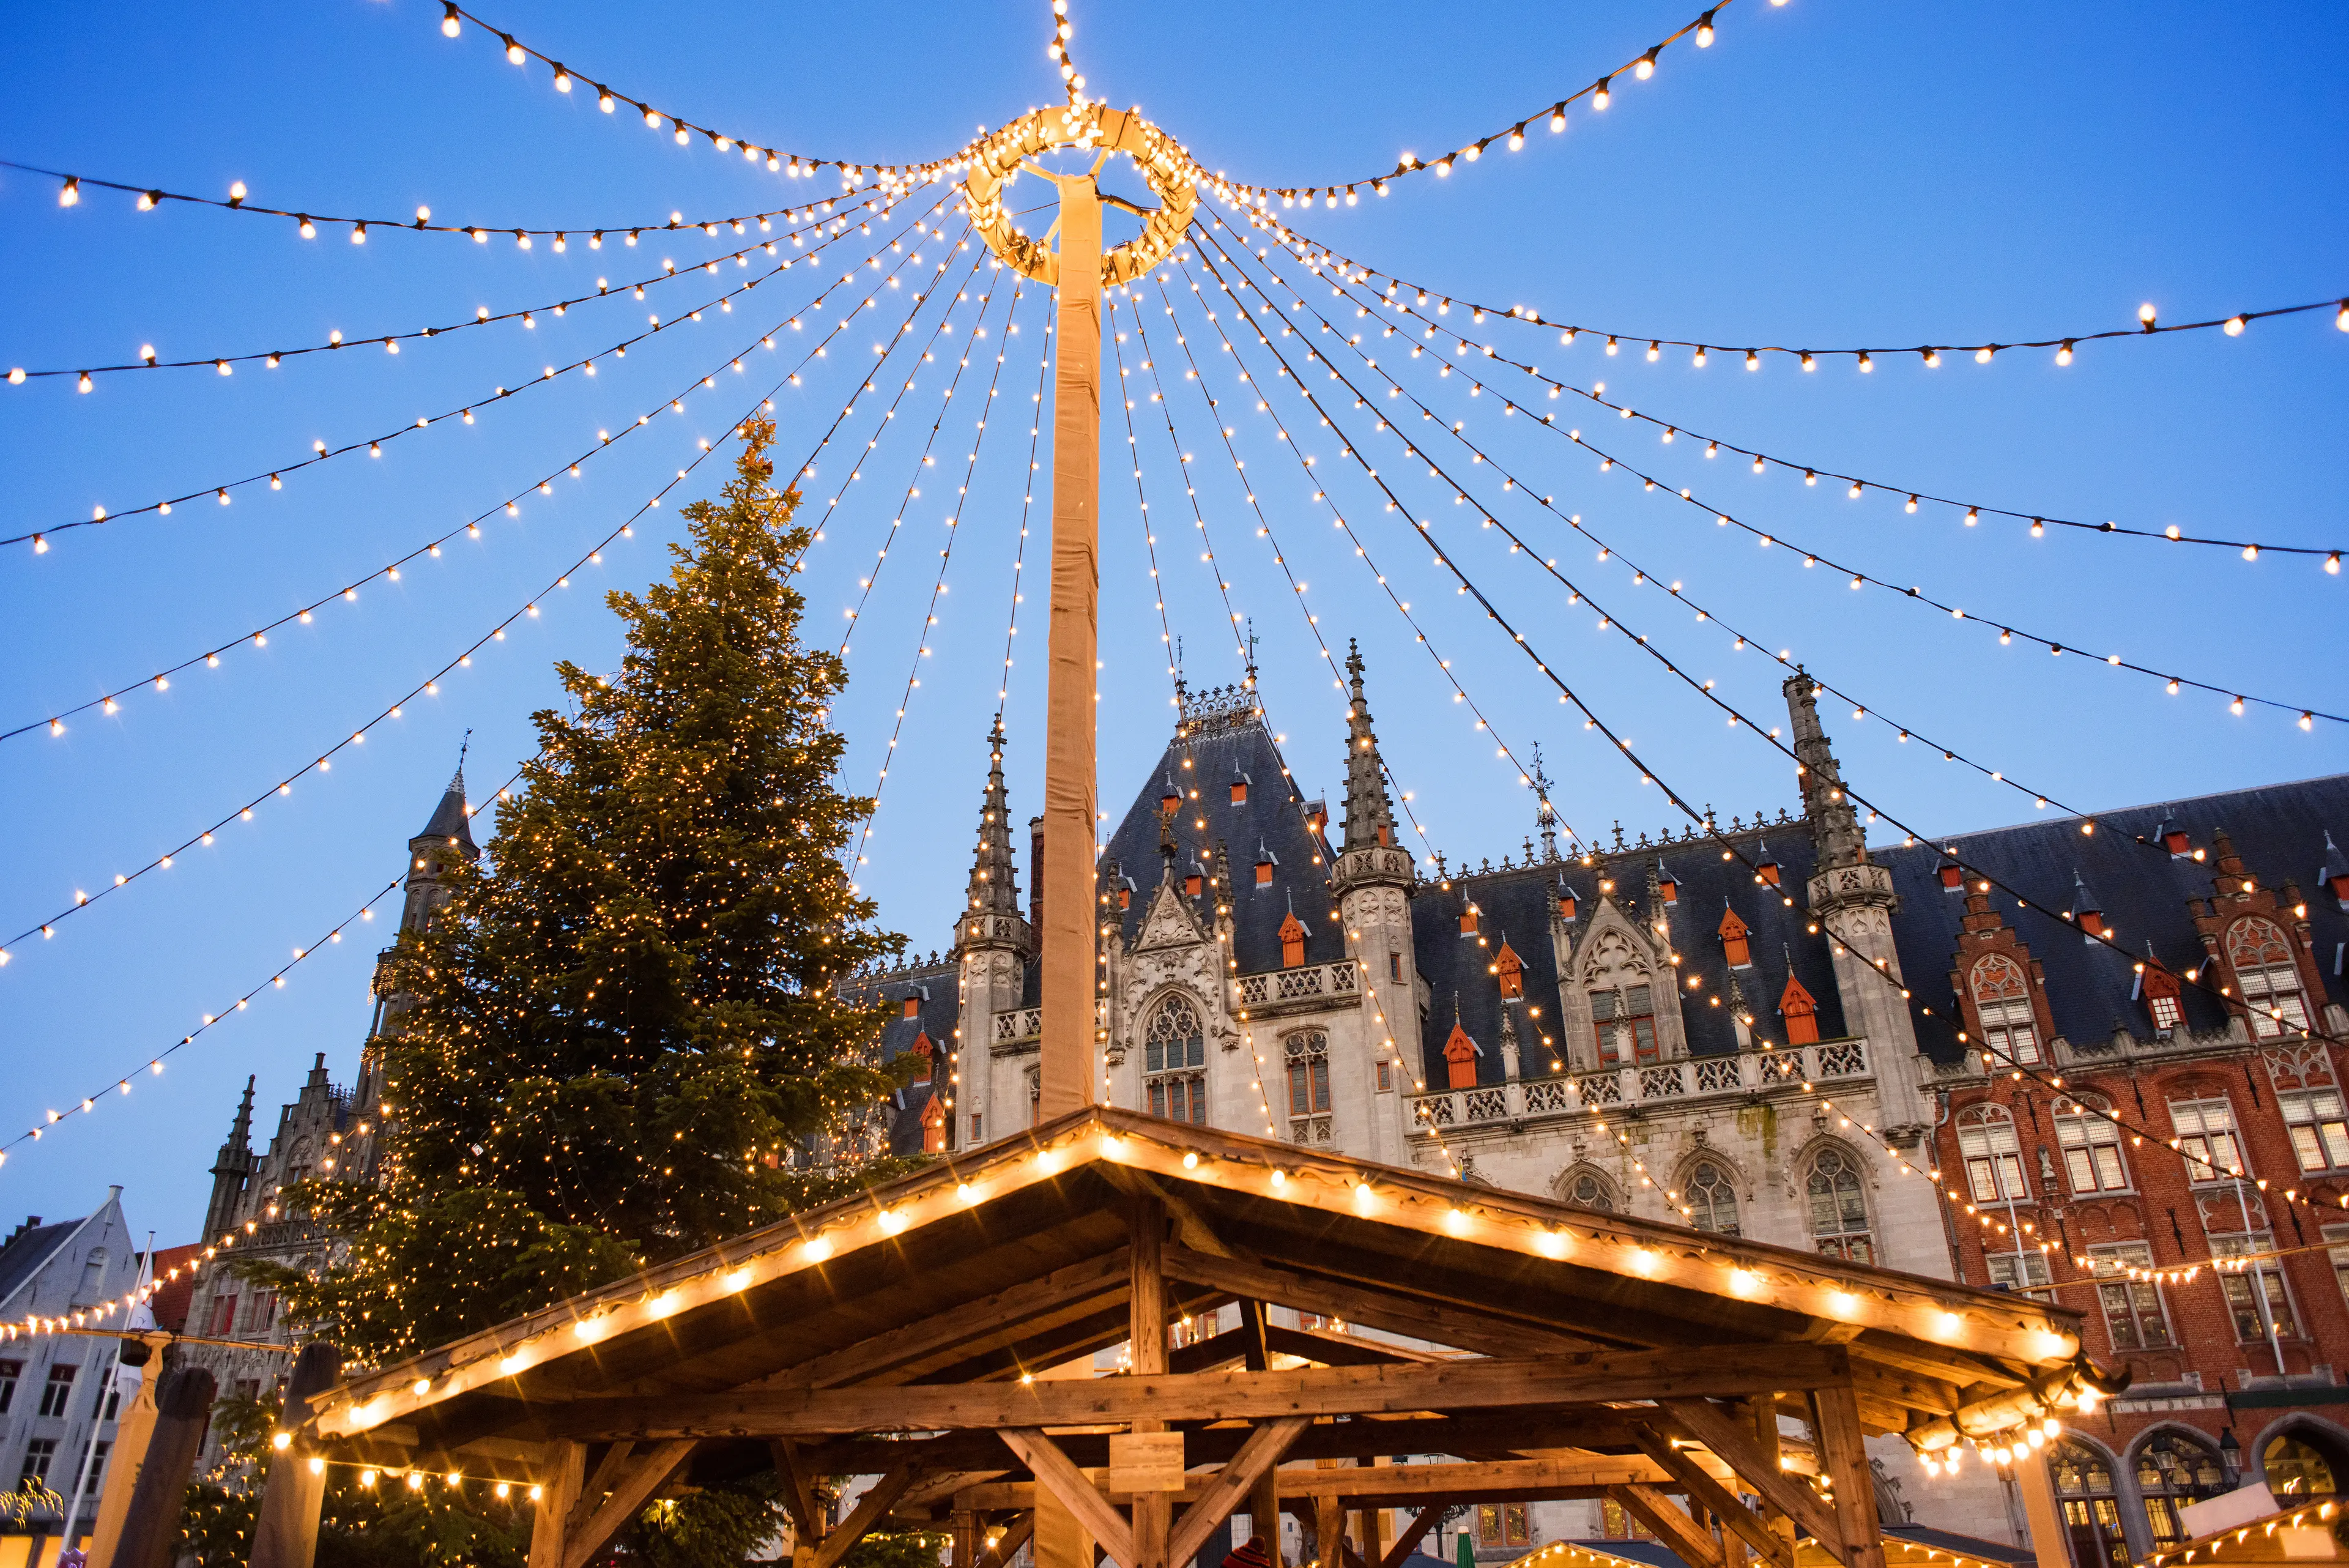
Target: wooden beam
x,y
1057,1474
565,1471
1328,1349
1732,1441
1014,1537
868,1511
1254,1353
797,1485
1705,1492
1692,1542
1328,1532
589,1495
1017,1310
1253,1464
1413,1533
1366,1486
1145,1223
1464,1328
1675,1375
1843,1454
630,1492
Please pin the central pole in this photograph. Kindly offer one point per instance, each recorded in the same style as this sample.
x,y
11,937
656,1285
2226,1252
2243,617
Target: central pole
x,y
1065,1070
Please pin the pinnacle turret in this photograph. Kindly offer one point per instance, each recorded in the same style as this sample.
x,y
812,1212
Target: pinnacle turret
x,y
1835,833
991,913
1370,819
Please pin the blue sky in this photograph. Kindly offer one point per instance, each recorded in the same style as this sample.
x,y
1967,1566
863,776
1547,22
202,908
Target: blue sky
x,y
1826,174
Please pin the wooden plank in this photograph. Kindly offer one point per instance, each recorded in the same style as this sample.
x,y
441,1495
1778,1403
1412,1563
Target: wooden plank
x,y
1253,1353
1254,1464
1017,1310
565,1471
590,1493
1056,1474
1412,1485
1461,1327
1413,1533
1843,1453
869,1510
1732,1440
1679,1374
1145,1461
1692,1542
630,1492
1330,1349
1709,1494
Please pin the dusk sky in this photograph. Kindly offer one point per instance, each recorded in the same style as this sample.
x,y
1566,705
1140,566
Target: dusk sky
x,y
1827,174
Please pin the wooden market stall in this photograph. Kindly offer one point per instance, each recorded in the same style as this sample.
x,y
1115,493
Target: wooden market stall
x,y
941,1332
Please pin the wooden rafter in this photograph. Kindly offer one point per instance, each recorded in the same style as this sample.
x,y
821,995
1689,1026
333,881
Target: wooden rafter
x,y
1703,1491
1236,1480
869,1510
1691,1541
632,1486
1055,1473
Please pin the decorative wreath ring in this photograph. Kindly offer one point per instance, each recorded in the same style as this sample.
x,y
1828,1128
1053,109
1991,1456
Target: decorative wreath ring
x,y
1165,166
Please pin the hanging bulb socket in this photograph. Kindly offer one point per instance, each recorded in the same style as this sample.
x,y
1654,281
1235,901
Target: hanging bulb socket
x,y
450,23
1705,30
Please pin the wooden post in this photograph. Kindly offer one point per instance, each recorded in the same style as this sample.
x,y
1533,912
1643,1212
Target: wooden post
x,y
1060,1539
1263,1512
124,1461
965,1538
1328,1532
1066,1053
287,1533
1154,1512
1764,1408
2050,1541
563,1473
1843,1459
151,1527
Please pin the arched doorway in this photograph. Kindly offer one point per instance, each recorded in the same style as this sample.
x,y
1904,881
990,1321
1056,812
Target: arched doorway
x,y
2092,1509
2172,1471
2295,1468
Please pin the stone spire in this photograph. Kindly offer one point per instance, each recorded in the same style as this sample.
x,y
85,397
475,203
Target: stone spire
x,y
991,914
1545,813
230,1171
1835,833
1369,820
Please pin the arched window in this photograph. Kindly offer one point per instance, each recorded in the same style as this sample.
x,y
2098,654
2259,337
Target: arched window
x,y
2092,1512
2003,1004
2261,959
1173,1054
1590,1190
1839,1208
2173,1470
1625,1024
2092,1148
1993,1158
2295,1469
1307,1056
1712,1200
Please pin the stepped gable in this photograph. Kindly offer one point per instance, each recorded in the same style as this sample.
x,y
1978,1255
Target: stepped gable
x,y
1222,736
1521,902
2278,830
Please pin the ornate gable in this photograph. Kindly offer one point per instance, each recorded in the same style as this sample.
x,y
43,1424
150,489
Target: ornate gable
x,y
1169,923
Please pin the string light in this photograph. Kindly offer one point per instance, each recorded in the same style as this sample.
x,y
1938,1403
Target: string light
x,y
348,593
151,197
321,453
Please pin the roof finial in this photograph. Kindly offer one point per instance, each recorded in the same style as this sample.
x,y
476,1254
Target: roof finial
x,y
458,783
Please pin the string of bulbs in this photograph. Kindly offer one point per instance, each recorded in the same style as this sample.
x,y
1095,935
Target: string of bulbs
x,y
2149,324
1857,486
1858,578
1597,95
795,165
258,637
1783,657
1705,689
373,446
149,198
484,316
1116,341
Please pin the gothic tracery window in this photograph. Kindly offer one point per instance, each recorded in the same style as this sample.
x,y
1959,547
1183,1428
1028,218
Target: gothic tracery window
x,y
1839,1208
2262,958
1592,1191
1712,1200
1307,1060
2003,1004
1174,1059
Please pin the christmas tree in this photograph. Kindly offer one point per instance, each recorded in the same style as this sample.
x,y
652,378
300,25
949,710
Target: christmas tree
x,y
622,1035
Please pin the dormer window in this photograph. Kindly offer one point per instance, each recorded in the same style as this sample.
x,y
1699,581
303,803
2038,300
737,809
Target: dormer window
x,y
1765,870
1624,1024
1736,947
1565,905
1292,941
1668,889
1171,800
1239,788
1468,920
2177,843
1265,862
924,1053
913,1007
1317,817
1510,970
2001,995
1192,883
1953,877
2161,990
1800,1011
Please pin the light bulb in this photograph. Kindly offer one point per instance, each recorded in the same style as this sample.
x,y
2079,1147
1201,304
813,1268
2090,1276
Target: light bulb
x,y
1557,123
1752,360
513,52
562,79
2235,325
604,100
449,25
1704,31
2145,314
1647,66
1599,93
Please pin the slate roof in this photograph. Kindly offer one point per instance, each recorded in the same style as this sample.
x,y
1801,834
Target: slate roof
x,y
935,986
449,819
1271,821
1517,904
2278,829
32,1246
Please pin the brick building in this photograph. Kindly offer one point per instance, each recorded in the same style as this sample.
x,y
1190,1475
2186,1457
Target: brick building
x,y
2236,1370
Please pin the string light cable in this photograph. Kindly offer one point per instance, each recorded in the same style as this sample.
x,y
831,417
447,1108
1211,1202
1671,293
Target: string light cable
x,y
1141,511
154,1065
791,164
1511,483
1264,524
938,588
160,680
1027,504
1856,485
527,315
2149,322
1705,689
1729,850
321,453
429,687
2006,630
1596,97
152,198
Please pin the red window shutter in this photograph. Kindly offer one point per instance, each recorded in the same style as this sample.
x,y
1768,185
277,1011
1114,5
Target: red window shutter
x,y
1191,885
1239,794
1953,875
